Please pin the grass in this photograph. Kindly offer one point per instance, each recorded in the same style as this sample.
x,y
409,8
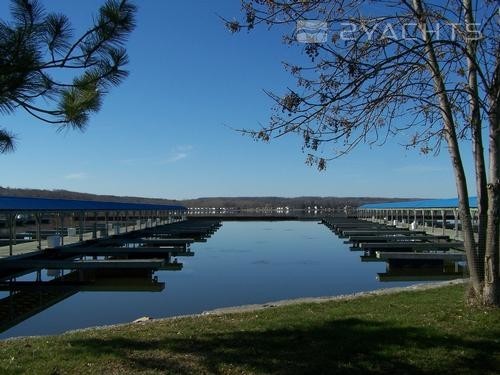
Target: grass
x,y
427,332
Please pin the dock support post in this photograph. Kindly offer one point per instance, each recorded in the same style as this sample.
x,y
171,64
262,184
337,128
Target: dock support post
x,y
38,222
11,232
81,225
432,220
61,227
444,220
94,228
455,215
14,229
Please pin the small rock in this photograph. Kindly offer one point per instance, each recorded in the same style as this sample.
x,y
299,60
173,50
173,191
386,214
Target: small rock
x,y
142,320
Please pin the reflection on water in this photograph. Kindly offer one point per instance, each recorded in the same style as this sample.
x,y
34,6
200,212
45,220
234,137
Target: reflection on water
x,y
27,298
429,271
242,263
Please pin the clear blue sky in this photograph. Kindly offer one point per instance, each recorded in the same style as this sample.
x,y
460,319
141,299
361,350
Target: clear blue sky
x,y
163,132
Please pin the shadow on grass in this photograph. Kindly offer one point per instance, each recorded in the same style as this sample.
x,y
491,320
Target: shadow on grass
x,y
339,346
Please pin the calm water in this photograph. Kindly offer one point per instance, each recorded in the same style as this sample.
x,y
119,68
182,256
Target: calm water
x,y
242,263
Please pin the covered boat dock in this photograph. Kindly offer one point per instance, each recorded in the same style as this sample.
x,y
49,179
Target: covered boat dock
x,y
436,216
29,224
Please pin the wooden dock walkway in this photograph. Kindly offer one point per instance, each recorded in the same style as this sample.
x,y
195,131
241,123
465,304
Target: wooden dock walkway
x,y
26,247
411,246
395,238
400,247
50,264
386,237
129,250
420,256
124,251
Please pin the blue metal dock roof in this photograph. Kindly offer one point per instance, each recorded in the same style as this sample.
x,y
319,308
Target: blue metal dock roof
x,y
428,203
48,204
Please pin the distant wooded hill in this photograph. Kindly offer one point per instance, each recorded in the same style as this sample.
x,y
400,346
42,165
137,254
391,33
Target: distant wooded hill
x,y
233,202
296,202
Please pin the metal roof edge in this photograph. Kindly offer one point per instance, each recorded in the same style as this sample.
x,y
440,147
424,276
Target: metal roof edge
x,y
9,203
420,204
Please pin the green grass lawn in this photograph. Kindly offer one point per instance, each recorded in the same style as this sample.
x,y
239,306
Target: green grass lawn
x,y
430,332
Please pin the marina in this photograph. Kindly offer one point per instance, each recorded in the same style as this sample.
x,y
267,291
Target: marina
x,y
67,253
218,264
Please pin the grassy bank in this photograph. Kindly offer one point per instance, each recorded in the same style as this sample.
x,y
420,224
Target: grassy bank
x,y
429,331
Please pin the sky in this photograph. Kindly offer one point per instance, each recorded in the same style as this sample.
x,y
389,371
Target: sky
x,y
167,131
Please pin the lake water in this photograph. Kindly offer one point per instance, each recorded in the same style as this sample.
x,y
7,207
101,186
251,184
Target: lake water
x,y
242,263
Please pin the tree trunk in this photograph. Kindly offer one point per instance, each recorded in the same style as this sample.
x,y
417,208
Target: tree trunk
x,y
491,280
477,138
492,255
453,149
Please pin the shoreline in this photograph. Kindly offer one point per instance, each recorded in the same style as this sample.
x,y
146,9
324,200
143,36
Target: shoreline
x,y
341,297
261,306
